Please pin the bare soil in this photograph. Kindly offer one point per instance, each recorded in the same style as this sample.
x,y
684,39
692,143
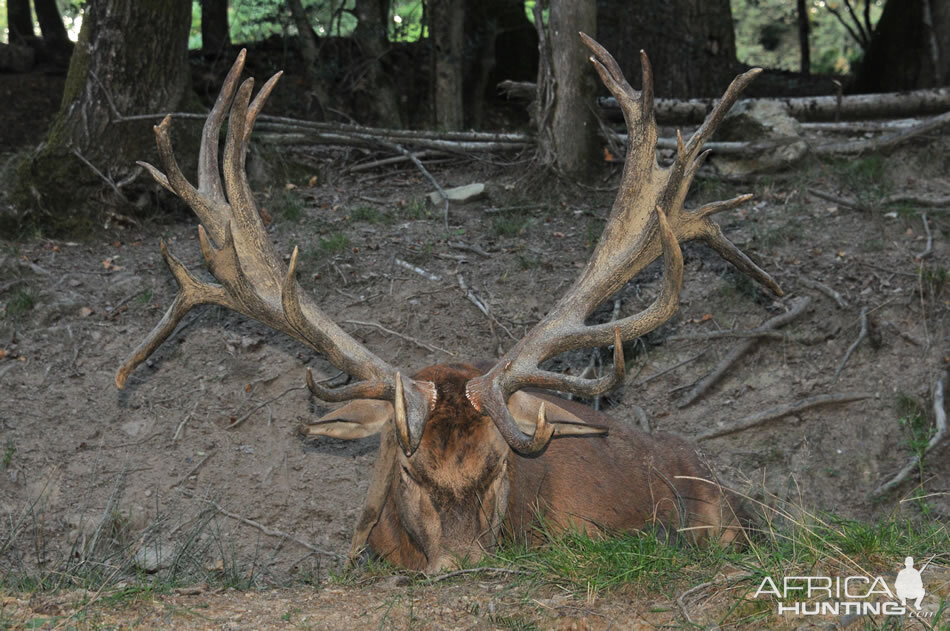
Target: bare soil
x,y
203,440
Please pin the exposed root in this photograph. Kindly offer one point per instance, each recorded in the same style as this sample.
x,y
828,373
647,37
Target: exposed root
x,y
707,382
760,418
940,434
863,334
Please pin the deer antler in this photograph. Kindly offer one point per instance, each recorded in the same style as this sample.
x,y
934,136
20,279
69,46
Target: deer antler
x,y
647,218
253,279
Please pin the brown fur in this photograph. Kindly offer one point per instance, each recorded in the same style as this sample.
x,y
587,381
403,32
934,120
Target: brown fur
x,y
448,500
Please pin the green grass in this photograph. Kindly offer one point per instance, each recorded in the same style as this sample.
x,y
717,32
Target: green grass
x,y
509,224
288,205
368,214
22,301
415,209
334,244
787,541
8,453
775,236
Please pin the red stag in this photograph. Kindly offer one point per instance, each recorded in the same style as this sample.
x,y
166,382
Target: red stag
x,y
464,453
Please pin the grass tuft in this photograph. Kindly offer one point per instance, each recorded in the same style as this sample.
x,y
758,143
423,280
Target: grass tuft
x,y
23,300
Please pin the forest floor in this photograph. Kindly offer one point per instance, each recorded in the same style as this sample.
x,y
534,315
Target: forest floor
x,y
194,475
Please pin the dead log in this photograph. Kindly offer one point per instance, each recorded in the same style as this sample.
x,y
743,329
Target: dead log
x,y
812,108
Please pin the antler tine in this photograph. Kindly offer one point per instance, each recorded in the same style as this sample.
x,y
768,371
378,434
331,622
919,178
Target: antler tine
x,y
258,103
209,175
647,219
191,293
253,278
211,213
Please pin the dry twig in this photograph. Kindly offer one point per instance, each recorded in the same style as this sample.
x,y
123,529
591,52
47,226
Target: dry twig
x,y
795,407
863,334
271,532
704,384
681,601
688,360
417,270
248,414
930,240
940,423
402,336
825,289
194,470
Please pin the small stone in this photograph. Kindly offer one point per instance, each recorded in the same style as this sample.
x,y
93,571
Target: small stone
x,y
459,194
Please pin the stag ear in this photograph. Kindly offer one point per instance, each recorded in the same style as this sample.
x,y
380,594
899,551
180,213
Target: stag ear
x,y
525,407
356,419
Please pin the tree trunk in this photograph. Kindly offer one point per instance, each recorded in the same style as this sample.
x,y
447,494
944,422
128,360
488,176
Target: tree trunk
x,y
215,29
574,124
51,23
131,59
691,43
372,37
19,21
910,48
310,51
803,30
500,44
446,33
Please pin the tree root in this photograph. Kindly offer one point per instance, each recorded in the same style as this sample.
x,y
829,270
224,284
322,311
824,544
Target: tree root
x,y
940,423
863,334
760,418
707,382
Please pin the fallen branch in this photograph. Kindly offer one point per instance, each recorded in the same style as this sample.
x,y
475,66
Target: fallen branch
x,y
108,180
424,345
825,289
465,247
671,368
729,333
886,142
417,270
704,384
425,172
812,108
928,250
940,423
928,202
366,166
861,335
271,532
250,412
472,297
759,418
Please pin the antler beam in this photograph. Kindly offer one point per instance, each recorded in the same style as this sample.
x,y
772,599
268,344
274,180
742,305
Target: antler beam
x,y
252,279
647,220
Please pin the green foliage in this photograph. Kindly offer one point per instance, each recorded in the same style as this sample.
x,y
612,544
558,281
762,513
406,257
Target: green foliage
x,y
767,35
406,24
